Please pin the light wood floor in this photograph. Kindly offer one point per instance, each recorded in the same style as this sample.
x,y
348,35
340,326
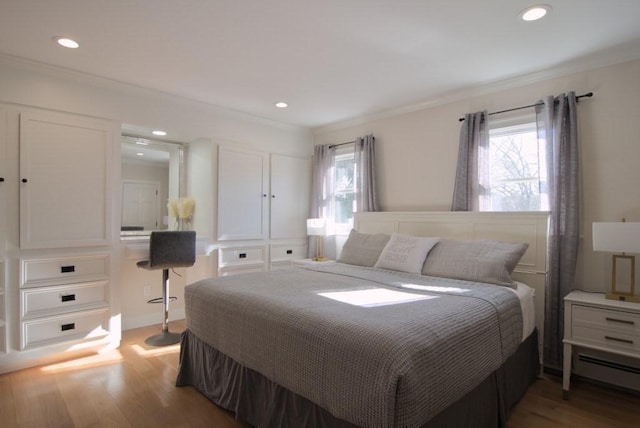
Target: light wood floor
x,y
134,387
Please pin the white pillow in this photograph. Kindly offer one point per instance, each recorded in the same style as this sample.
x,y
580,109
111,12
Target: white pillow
x,y
405,253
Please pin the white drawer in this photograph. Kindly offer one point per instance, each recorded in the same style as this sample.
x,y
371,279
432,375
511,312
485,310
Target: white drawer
x,y
602,318
287,252
228,271
238,256
607,338
60,270
87,325
45,301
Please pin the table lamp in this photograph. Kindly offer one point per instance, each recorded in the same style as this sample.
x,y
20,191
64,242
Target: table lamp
x,y
318,227
619,237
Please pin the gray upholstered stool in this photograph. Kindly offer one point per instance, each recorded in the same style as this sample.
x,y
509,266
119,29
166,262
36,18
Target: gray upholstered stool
x,y
167,250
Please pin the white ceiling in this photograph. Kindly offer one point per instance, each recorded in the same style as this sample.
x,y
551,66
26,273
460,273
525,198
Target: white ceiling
x,y
331,60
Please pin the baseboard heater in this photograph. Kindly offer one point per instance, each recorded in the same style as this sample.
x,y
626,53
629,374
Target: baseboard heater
x,y
613,370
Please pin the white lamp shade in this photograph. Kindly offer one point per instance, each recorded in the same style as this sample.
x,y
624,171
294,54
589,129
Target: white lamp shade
x,y
316,227
619,237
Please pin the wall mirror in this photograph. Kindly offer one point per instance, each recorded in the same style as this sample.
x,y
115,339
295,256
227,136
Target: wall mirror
x,y
152,173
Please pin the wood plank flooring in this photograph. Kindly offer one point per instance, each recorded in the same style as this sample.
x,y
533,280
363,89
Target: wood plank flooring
x,y
134,387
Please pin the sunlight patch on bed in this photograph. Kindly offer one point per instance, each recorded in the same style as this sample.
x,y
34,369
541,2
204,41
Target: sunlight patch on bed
x,y
373,297
437,289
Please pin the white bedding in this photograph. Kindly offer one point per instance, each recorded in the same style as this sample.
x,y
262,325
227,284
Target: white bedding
x,y
526,295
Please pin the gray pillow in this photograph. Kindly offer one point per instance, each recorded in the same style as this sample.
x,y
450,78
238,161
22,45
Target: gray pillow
x,y
405,253
363,249
482,260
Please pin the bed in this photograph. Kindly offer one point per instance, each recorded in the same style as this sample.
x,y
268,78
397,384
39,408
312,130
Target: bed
x,y
386,336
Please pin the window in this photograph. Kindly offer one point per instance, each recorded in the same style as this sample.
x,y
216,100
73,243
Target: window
x,y
512,173
344,191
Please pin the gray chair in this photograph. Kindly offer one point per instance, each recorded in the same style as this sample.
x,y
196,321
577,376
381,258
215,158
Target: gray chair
x,y
168,250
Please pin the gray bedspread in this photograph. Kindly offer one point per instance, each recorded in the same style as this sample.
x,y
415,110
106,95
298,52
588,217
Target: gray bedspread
x,y
395,359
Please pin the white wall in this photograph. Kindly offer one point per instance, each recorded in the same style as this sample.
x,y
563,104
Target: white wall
x,y
417,151
29,84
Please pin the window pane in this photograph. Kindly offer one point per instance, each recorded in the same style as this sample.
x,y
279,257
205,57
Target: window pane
x,y
344,192
515,164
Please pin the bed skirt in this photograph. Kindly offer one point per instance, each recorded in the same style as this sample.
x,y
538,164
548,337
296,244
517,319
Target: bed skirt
x,y
263,403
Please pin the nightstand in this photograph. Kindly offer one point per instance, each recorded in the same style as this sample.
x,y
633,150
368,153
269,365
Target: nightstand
x,y
310,262
591,321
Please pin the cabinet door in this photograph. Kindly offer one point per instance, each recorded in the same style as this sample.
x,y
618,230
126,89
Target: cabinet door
x,y
65,174
290,189
242,194
3,180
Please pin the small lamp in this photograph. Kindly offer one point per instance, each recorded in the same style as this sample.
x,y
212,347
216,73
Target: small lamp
x,y
620,237
318,227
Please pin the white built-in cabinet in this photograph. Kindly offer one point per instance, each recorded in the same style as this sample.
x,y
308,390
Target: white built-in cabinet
x,y
4,130
57,241
263,204
65,188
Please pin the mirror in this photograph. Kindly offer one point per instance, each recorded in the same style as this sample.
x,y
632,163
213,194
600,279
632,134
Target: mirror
x,y
152,173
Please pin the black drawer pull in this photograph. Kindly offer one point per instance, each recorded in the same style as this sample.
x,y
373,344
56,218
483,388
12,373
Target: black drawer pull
x,y
68,297
630,342
70,326
289,251
242,255
620,321
67,269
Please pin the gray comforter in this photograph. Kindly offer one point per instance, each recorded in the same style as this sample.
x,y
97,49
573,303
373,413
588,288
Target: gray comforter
x,y
394,359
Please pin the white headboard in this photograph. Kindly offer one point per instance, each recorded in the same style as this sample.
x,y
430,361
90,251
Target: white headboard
x,y
529,227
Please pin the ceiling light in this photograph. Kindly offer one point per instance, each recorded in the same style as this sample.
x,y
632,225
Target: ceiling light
x,y
282,104
66,42
534,13
140,154
159,133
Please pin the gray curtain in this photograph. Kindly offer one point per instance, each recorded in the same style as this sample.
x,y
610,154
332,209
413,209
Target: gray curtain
x,y
472,149
365,159
557,128
322,188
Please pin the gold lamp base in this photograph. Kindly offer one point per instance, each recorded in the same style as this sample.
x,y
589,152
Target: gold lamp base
x,y
623,296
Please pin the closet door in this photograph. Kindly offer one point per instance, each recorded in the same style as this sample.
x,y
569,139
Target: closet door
x,y
65,180
242,194
290,189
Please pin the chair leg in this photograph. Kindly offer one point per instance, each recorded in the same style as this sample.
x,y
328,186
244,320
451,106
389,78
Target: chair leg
x,y
165,338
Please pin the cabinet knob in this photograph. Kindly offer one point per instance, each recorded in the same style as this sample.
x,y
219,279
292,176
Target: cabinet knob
x,y
273,196
1,179
24,180
264,195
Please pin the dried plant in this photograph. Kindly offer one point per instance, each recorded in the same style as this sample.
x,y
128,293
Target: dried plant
x,y
186,207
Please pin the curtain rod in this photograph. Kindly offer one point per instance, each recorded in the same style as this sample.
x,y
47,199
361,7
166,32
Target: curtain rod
x,y
342,144
588,95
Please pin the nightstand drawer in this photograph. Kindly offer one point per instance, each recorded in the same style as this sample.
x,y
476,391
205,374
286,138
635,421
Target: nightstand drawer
x,y
44,301
606,319
608,338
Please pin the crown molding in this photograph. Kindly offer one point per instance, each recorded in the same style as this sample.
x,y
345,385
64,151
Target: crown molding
x,y
117,85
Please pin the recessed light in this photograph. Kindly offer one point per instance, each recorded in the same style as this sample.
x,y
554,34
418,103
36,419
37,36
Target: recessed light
x,y
534,13
159,133
281,104
66,42
140,154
